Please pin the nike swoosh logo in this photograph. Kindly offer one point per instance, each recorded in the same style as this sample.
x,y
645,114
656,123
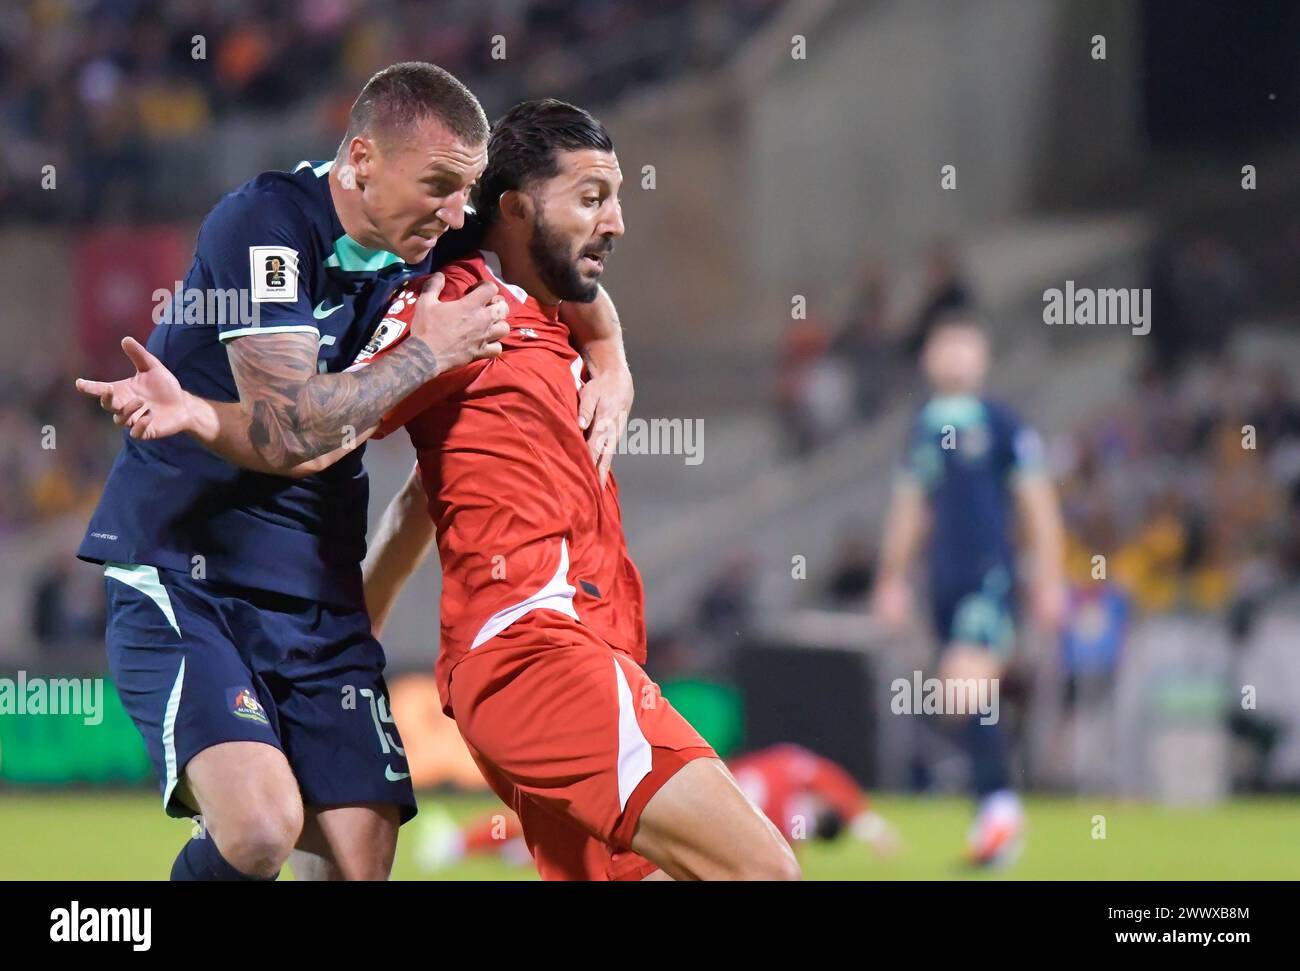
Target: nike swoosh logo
x,y
392,776
320,313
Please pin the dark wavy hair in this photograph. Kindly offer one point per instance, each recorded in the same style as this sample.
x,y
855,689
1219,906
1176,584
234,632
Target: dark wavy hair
x,y
525,145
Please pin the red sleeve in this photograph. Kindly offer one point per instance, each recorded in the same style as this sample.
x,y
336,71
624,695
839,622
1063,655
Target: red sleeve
x,y
460,279
395,328
427,395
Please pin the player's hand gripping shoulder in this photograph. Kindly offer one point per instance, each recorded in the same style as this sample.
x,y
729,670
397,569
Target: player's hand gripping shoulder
x,y
290,420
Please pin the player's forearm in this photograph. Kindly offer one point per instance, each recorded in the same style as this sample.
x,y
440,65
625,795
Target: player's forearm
x,y
288,420
401,542
597,332
221,427
904,533
1045,530
1049,552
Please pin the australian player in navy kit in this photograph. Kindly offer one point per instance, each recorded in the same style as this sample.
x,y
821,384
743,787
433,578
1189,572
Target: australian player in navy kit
x,y
970,467
237,634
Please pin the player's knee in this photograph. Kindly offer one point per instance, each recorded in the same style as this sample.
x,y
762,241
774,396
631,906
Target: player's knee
x,y
776,862
259,842
787,869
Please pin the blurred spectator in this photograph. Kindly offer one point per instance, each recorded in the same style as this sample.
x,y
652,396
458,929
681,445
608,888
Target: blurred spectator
x,y
866,343
1200,290
726,609
853,571
1092,643
814,393
945,291
1276,416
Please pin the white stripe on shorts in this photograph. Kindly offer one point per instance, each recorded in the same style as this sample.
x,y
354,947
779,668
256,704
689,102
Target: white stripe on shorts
x,y
634,755
169,734
146,580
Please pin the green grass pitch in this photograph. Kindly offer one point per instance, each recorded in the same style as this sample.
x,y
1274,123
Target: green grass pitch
x,y
123,835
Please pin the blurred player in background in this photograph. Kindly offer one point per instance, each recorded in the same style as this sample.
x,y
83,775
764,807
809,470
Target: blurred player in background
x,y
237,622
971,465
806,797
543,632
810,797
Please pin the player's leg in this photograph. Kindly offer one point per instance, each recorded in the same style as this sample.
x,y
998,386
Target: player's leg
x,y
982,635
338,735
687,813
563,849
621,748
701,826
252,813
195,702
347,843
982,736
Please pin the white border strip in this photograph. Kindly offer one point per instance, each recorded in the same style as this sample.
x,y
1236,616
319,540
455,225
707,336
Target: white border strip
x,y
169,734
634,754
226,335
556,595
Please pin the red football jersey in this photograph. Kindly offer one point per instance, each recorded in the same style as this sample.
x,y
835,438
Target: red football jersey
x,y
787,781
522,521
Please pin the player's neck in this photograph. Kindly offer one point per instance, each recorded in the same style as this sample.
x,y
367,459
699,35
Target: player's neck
x,y
517,266
347,203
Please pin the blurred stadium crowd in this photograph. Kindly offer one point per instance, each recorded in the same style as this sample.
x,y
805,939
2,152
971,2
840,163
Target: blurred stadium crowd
x,y
1200,511
113,89
49,488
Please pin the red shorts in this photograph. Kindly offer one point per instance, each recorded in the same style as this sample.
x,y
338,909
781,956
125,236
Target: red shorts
x,y
574,737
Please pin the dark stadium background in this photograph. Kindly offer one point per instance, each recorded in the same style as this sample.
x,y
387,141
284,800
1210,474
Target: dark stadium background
x,y
755,178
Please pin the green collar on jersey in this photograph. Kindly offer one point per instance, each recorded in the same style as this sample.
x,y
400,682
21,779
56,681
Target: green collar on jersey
x,y
960,411
349,255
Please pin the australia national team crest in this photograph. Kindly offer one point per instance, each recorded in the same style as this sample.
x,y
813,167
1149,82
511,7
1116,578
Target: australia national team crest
x,y
244,704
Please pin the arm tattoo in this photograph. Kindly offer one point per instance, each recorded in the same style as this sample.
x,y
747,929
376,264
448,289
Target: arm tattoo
x,y
295,414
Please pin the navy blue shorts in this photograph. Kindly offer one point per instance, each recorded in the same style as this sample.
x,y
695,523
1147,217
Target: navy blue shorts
x,y
983,614
198,663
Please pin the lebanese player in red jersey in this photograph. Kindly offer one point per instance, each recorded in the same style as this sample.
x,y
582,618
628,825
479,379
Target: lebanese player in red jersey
x,y
543,632
805,795
808,796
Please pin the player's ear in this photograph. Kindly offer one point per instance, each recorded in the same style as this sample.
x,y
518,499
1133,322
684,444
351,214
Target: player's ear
x,y
361,155
516,206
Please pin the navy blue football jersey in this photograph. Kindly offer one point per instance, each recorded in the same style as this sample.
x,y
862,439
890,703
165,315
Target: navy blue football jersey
x,y
963,453
271,257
